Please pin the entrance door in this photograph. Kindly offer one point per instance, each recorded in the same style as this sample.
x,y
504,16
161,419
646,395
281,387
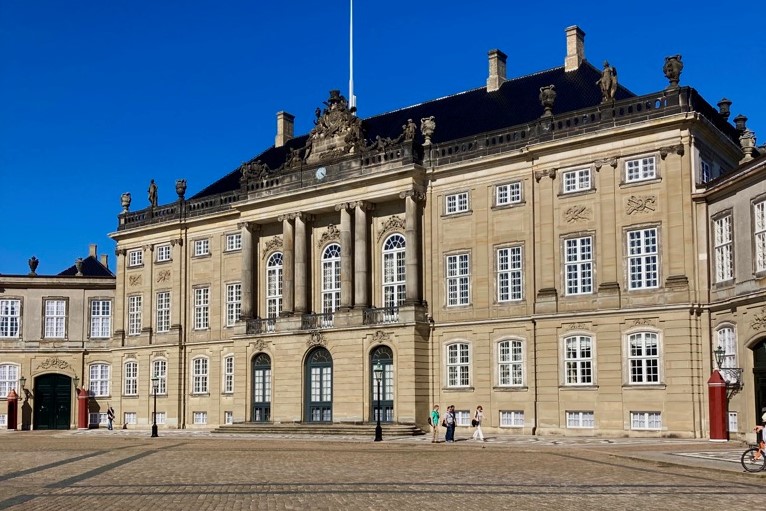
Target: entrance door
x,y
53,401
385,357
261,388
319,386
759,377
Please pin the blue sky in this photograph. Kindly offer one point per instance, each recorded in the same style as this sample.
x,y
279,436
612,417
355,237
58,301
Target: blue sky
x,y
97,98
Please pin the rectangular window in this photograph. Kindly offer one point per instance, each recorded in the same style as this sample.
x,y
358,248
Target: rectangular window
x,y
233,242
10,315
228,375
228,417
163,311
163,253
199,375
576,180
759,235
135,303
160,372
100,319
131,378
135,257
457,365
578,360
201,308
233,303
200,417
724,249
644,358
511,419
508,194
96,418
578,254
733,422
509,274
458,279
160,418
706,171
640,169
463,417
580,420
201,247
646,420
99,380
510,358
456,203
129,418
9,379
55,319
3,420
643,267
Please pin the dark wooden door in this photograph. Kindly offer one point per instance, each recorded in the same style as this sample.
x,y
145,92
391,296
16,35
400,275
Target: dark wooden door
x,y
53,401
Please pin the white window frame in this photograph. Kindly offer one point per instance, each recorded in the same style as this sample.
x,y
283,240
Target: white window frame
x,y
458,276
228,374
201,247
579,180
580,419
55,310
130,418
508,193
579,360
130,378
9,379
511,418
100,319
228,417
163,312
98,381
330,278
274,275
97,418
733,426
162,253
200,375
640,169
578,265
160,418
10,318
233,303
510,274
644,362
726,337
706,171
199,418
723,248
510,363
643,249
201,308
135,257
233,242
394,270
463,417
759,235
3,420
456,203
458,365
135,304
159,371
646,421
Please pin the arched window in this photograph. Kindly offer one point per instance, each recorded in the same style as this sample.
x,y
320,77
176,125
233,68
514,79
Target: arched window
x,y
578,360
99,380
394,291
458,364
331,278
644,357
510,363
727,339
274,285
131,378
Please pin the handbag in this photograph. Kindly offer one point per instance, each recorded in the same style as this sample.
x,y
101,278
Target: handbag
x,y
474,423
444,423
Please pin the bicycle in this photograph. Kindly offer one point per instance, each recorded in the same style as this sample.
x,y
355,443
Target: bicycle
x,y
754,459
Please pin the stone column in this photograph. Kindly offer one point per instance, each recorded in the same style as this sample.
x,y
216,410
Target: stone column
x,y
288,266
361,256
412,242
346,255
301,263
249,305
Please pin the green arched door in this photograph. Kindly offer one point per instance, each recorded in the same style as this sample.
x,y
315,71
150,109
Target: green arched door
x,y
53,401
385,401
261,388
318,406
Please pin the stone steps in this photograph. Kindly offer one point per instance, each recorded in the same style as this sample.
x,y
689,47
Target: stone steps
x,y
350,429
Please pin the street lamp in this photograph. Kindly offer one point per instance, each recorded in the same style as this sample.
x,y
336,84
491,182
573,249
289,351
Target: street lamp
x,y
155,386
719,354
378,371
23,383
76,381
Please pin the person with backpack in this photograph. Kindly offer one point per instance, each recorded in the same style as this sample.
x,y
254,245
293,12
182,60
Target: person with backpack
x,y
433,421
449,423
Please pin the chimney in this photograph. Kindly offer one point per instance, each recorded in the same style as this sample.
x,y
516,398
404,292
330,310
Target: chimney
x,y
105,260
92,250
285,124
575,48
496,69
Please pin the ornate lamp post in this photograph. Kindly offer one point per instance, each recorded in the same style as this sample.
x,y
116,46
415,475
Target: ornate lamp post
x,y
155,387
378,372
719,354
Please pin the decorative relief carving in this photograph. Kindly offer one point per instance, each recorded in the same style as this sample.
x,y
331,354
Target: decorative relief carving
x,y
159,354
417,195
180,242
258,345
381,336
163,275
759,320
575,326
642,322
249,226
53,363
665,151
393,223
641,204
577,214
127,356
612,162
134,280
331,234
539,174
316,338
273,244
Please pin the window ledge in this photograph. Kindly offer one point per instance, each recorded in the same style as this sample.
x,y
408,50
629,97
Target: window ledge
x,y
130,396
589,388
199,394
647,386
458,389
509,388
165,261
457,214
639,182
577,193
510,205
202,256
232,251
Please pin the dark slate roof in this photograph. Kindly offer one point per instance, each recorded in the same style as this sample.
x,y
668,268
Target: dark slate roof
x,y
91,267
464,114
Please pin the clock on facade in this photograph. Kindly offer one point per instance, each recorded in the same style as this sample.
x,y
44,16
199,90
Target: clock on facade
x,y
321,173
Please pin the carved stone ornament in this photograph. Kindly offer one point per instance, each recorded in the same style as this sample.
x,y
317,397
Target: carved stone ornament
x,y
578,213
163,276
392,223
759,321
612,162
608,83
672,69
381,336
575,326
331,234
33,262
159,354
547,98
180,188
666,150
134,280
337,131
258,345
415,194
125,202
642,322
254,170
427,128
273,244
641,204
78,265
539,174
316,338
53,363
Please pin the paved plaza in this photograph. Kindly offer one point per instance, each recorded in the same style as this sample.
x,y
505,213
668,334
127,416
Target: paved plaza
x,y
128,470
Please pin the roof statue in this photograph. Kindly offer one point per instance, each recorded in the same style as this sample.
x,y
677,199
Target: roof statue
x,y
547,98
152,194
608,83
254,170
337,131
672,69
125,201
33,262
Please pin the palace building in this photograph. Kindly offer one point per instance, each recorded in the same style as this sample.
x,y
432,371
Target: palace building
x,y
556,248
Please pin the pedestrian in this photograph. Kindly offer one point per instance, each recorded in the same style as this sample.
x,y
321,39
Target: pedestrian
x,y
449,423
433,420
476,422
110,417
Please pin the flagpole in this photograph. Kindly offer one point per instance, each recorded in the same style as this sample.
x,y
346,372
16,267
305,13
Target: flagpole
x,y
351,97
